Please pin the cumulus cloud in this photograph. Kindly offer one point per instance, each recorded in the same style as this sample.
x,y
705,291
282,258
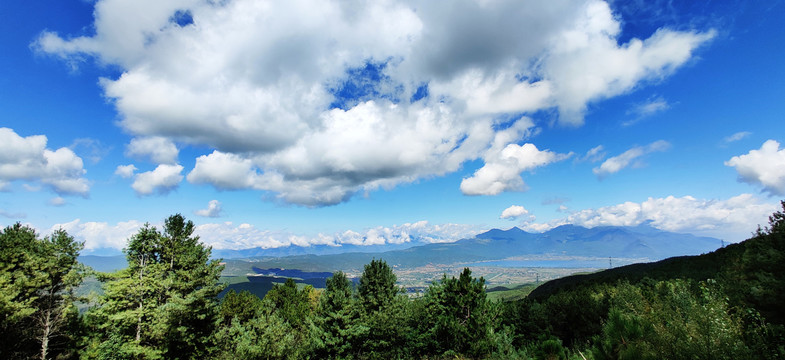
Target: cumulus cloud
x,y
318,100
514,212
502,172
213,209
733,219
244,236
630,157
162,180
159,150
97,235
225,171
764,167
28,159
587,64
125,171
228,235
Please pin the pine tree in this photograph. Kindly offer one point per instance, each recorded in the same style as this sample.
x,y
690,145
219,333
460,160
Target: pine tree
x,y
460,317
243,306
55,303
291,304
382,329
377,286
336,316
37,282
164,304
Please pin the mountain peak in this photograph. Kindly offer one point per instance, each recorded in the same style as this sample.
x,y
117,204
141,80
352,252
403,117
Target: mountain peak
x,y
498,233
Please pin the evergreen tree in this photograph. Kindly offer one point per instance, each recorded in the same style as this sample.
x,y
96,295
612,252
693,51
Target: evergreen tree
x,y
277,327
37,282
291,304
377,286
335,333
164,304
265,336
20,277
460,318
243,306
382,329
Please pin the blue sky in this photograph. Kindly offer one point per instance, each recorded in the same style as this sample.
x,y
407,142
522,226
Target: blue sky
x,y
278,123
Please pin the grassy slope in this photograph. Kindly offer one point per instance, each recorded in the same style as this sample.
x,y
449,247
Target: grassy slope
x,y
511,292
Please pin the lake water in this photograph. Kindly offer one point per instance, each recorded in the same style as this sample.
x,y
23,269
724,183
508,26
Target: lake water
x,y
596,263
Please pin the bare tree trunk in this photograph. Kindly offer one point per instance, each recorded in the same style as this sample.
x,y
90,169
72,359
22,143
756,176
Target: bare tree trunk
x,y
139,324
141,298
47,330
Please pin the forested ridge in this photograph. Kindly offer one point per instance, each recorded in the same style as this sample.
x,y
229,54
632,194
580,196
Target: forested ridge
x,y
727,304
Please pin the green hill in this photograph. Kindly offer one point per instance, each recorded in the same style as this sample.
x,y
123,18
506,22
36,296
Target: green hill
x,y
727,303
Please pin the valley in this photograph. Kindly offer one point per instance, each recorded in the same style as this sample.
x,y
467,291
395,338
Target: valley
x,y
504,258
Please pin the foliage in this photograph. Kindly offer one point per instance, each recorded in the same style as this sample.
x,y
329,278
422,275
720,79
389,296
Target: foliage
x,y
264,336
458,317
674,319
164,304
335,333
382,330
291,304
243,306
377,286
38,277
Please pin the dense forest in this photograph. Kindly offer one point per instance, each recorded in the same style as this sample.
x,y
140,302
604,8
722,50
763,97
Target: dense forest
x,y
164,305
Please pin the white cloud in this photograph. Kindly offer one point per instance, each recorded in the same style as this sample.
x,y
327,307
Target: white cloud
x,y
733,219
737,136
244,236
213,209
125,171
228,235
514,212
651,106
224,171
502,171
28,159
587,64
162,180
157,149
764,167
614,164
594,154
254,81
96,235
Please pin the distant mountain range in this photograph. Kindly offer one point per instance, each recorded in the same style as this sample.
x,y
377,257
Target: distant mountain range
x,y
568,242
641,243
294,250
